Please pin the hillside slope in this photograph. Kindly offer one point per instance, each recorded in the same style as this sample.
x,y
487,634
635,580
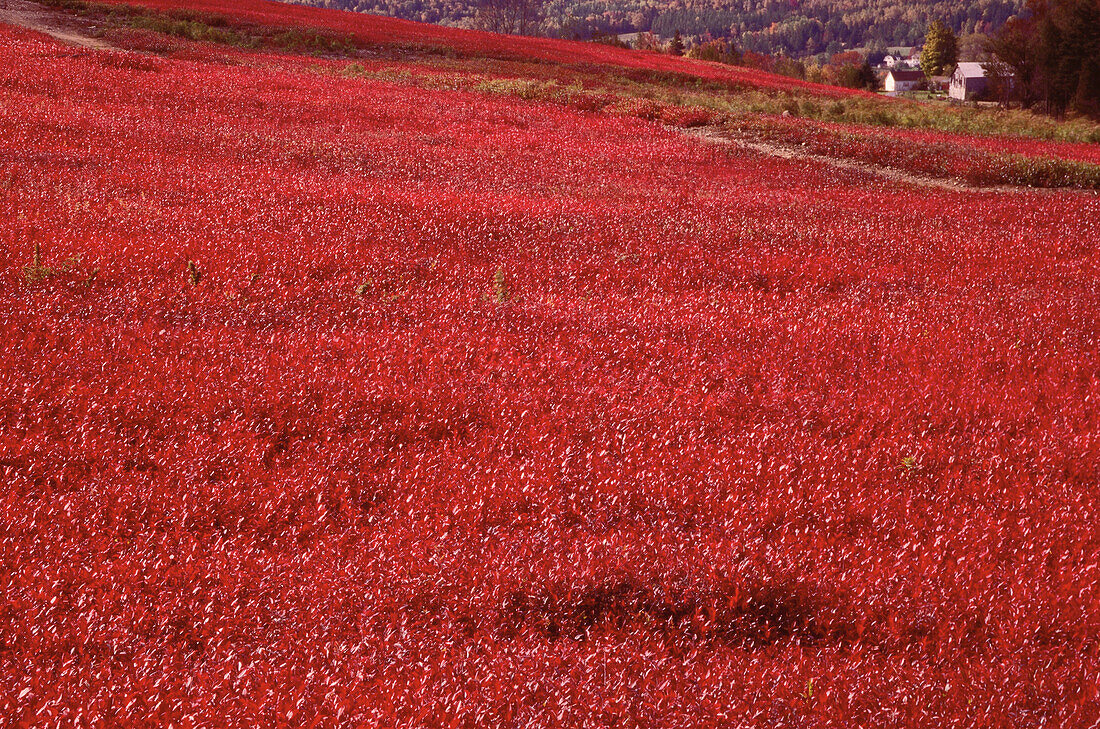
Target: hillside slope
x,y
791,28
394,386
380,32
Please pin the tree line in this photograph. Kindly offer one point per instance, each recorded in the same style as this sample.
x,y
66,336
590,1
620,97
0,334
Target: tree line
x,y
1052,54
818,28
1044,54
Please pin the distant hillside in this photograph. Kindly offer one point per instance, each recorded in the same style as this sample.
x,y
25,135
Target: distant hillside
x,y
765,26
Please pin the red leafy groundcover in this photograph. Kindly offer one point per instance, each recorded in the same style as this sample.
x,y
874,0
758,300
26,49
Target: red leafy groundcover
x,y
984,161
942,149
392,31
336,402
1079,152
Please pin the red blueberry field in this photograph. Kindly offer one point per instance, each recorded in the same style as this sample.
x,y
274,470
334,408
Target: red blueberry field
x,y
352,392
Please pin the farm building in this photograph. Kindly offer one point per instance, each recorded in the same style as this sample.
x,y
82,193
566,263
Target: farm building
x,y
898,81
939,83
902,57
968,81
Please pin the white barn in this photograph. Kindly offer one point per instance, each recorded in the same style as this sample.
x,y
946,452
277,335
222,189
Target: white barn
x,y
968,81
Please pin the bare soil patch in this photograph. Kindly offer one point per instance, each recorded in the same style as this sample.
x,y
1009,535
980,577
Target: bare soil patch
x,y
54,23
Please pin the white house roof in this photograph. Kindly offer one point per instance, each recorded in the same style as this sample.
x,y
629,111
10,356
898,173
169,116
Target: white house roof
x,y
971,70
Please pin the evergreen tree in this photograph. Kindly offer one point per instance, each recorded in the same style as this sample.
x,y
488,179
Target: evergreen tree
x,y
676,48
940,50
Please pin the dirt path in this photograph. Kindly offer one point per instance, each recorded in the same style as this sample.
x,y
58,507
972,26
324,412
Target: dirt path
x,y
55,23
889,173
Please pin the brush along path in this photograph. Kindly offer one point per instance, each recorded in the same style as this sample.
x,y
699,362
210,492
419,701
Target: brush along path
x,y
53,23
793,153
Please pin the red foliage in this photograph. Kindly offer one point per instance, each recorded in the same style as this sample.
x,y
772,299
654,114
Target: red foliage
x,y
847,58
972,158
882,136
1081,152
337,402
387,31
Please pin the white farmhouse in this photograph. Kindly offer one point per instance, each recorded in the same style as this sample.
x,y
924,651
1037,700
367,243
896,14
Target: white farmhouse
x,y
901,80
901,57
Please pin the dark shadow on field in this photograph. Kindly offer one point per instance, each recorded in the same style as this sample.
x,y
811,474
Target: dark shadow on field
x,y
751,616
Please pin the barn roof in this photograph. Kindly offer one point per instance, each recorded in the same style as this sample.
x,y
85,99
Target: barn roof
x,y
971,70
906,75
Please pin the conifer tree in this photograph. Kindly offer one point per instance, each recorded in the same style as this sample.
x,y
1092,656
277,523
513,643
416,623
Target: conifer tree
x,y
940,50
676,48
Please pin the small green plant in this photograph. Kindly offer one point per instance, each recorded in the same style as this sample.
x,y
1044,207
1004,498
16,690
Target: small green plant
x,y
500,287
194,275
37,270
909,463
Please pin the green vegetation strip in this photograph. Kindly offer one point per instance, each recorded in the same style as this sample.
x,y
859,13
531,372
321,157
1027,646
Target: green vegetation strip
x,y
212,28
